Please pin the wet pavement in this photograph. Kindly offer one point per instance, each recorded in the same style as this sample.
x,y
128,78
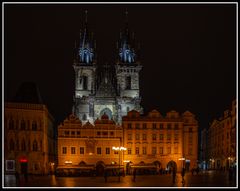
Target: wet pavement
x,y
203,179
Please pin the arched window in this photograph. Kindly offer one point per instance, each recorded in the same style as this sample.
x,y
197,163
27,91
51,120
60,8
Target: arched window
x,y
11,124
128,82
11,145
34,126
23,145
84,117
35,145
23,125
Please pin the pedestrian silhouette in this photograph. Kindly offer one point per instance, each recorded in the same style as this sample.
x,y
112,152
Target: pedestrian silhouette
x,y
105,175
174,174
134,175
182,174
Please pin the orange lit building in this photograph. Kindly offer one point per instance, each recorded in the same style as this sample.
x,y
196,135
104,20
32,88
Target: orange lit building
x,y
89,145
221,151
151,140
28,134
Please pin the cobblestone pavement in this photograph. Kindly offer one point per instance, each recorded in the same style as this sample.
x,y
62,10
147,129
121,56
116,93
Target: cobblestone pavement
x,y
204,179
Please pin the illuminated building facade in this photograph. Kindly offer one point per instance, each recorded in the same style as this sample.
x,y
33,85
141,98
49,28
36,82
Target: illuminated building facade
x,y
161,140
112,89
29,134
221,140
88,145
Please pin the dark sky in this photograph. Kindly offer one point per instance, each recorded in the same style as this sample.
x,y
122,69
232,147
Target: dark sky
x,y
188,52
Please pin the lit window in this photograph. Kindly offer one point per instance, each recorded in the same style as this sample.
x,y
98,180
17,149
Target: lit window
x,y
107,151
154,150
144,150
129,151
64,150
137,150
81,150
73,150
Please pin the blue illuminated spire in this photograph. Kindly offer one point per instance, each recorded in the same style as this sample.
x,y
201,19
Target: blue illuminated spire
x,y
86,47
126,50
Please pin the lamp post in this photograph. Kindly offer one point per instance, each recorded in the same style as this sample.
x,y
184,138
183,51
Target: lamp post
x,y
119,149
182,159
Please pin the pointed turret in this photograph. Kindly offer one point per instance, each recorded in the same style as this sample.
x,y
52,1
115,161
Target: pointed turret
x,y
125,46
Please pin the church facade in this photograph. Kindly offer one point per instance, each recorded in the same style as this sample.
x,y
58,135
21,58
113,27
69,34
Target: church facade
x,y
111,89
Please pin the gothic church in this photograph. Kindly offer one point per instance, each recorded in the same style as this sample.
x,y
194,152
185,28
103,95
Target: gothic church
x,y
111,89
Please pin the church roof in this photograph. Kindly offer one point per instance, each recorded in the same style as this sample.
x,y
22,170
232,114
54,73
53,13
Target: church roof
x,y
28,93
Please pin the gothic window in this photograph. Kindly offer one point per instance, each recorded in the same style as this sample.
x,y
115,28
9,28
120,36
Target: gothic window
x,y
85,82
84,117
34,126
23,145
128,82
11,145
35,145
23,125
11,124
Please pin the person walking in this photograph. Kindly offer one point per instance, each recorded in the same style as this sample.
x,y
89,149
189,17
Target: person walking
x,y
134,175
183,174
174,172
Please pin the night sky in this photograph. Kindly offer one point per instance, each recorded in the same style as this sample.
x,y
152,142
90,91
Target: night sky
x,y
188,52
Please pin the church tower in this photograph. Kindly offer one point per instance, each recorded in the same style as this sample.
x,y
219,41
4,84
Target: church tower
x,y
85,69
127,72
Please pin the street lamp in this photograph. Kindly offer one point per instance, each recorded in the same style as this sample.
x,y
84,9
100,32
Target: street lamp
x,y
119,149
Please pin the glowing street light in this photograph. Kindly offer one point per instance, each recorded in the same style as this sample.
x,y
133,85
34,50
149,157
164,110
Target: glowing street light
x,y
119,149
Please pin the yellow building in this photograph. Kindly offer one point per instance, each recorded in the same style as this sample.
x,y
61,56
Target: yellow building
x,y
89,145
162,141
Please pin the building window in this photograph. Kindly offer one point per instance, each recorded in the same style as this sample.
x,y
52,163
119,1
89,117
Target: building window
x,y
72,133
85,82
111,133
11,124
137,150
190,151
137,136
190,129
129,151
154,137
115,152
169,150
105,133
81,150
137,125
98,133
64,150
169,126
144,126
35,145
128,82
154,150
161,150
23,145
78,133
168,137
161,137
107,151
176,127
144,150
129,136
154,125
11,145
34,126
99,150
66,133
176,150
161,126
73,150
175,137
129,126
144,136
23,125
